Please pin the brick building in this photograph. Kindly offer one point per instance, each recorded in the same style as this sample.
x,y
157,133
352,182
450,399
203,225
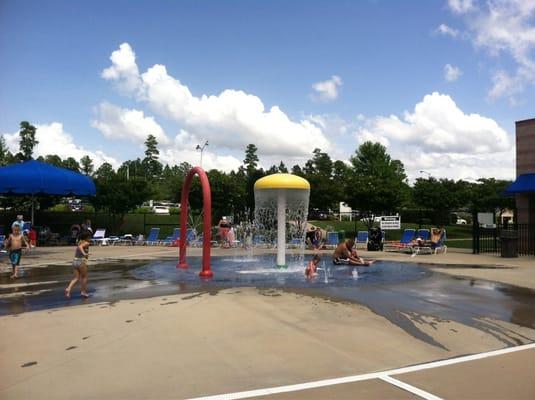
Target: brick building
x,y
524,186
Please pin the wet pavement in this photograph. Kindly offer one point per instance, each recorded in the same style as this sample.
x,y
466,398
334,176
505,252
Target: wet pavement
x,y
407,294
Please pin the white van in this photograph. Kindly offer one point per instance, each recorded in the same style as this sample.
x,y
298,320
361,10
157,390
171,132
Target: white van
x,y
163,210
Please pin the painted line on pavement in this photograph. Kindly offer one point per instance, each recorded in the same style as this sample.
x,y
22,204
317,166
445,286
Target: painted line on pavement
x,y
409,388
363,377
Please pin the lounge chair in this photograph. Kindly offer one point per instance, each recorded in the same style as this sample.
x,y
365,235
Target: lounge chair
x,y
99,238
433,248
127,239
333,239
424,234
169,240
152,237
362,239
404,242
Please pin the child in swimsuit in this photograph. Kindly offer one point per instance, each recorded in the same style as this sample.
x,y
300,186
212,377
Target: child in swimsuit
x,y
14,246
79,265
310,270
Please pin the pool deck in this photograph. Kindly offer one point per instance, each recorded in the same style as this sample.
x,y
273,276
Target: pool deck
x,y
245,339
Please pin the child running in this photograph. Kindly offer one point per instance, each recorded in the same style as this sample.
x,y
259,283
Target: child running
x,y
79,265
310,270
14,246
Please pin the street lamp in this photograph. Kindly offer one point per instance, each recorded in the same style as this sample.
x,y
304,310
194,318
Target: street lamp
x,y
425,172
201,148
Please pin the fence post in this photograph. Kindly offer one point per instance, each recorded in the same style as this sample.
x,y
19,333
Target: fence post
x,y
475,233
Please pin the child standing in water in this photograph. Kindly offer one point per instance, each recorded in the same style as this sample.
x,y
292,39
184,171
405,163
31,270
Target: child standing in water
x,y
79,265
310,270
14,246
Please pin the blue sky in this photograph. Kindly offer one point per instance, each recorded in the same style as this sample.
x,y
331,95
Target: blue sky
x,y
438,82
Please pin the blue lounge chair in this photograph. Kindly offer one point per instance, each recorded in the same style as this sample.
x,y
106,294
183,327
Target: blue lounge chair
x,y
333,240
152,238
424,234
403,244
169,240
433,248
362,239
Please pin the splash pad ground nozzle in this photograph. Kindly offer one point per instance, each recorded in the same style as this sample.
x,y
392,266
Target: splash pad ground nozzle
x,y
277,188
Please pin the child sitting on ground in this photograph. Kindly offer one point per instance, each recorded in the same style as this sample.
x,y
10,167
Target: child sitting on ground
x,y
310,270
14,246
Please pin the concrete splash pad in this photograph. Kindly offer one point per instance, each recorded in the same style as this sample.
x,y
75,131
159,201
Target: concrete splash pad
x,y
251,327
411,296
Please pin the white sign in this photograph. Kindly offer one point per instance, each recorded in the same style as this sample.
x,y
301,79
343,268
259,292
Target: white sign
x,y
391,222
485,218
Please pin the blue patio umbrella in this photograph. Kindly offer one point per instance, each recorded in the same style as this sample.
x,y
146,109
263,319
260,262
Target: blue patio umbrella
x,y
35,178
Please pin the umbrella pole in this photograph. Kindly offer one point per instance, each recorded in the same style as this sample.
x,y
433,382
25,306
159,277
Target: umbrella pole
x,y
32,210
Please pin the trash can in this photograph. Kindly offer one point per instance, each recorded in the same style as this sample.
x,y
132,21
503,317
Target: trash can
x,y
509,243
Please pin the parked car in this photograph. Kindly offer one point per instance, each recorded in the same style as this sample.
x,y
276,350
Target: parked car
x,y
162,210
461,221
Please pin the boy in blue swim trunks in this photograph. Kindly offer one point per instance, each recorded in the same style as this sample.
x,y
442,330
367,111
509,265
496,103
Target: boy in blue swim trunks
x,y
14,246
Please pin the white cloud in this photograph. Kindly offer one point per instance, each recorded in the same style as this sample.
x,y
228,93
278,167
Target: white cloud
x,y
183,149
124,70
440,138
451,73
54,140
445,30
461,6
120,123
505,27
230,120
327,90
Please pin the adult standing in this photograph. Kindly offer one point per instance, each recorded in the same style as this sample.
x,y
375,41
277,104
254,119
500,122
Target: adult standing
x,y
18,222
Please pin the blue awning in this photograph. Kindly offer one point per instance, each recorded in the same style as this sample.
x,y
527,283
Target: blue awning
x,y
38,178
525,183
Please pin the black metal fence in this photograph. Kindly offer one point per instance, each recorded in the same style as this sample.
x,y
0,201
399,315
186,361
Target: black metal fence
x,y
61,222
493,239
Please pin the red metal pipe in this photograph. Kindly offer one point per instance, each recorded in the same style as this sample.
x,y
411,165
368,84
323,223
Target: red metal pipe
x,y
206,272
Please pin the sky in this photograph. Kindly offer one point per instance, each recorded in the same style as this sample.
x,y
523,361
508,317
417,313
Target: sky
x,y
440,83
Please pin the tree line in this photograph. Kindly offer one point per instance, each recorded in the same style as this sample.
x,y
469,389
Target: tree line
x,y
371,182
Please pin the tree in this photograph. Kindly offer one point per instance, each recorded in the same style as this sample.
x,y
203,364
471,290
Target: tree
x,y
153,167
251,158
27,141
105,172
72,164
5,155
487,195
319,172
87,165
282,168
442,196
378,183
54,160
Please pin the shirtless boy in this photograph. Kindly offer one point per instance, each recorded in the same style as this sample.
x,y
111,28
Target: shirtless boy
x,y
14,246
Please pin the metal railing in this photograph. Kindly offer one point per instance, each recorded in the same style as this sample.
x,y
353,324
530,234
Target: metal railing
x,y
490,239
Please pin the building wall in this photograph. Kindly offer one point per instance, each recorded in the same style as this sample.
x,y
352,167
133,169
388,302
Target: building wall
x,y
525,163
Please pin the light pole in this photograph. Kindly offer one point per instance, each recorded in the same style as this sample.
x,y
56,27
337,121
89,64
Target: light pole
x,y
201,148
420,208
